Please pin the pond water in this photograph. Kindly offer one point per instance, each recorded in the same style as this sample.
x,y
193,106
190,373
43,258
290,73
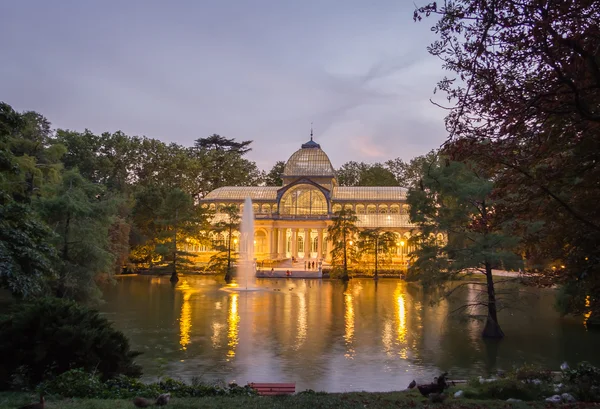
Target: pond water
x,y
329,336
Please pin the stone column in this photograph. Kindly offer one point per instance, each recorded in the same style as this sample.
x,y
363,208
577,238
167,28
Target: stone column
x,y
294,243
272,243
306,244
319,244
281,243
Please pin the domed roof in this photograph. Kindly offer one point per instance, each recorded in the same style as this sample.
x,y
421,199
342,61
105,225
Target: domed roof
x,y
310,160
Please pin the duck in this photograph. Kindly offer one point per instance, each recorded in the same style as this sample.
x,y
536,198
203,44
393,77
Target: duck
x,y
141,402
412,384
163,399
37,405
436,387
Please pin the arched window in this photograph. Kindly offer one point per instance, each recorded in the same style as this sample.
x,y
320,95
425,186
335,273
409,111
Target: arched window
x,y
394,209
255,208
348,207
304,200
360,209
300,244
337,208
315,244
383,209
371,209
266,208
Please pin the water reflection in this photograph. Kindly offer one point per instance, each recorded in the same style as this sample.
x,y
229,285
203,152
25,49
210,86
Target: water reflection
x,y
326,335
349,323
233,322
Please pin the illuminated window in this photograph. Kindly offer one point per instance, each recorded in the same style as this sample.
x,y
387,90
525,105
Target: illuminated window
x,y
360,209
300,244
255,208
383,209
303,200
394,209
371,209
337,208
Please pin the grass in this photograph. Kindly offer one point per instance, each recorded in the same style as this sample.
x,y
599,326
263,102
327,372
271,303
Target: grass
x,y
354,400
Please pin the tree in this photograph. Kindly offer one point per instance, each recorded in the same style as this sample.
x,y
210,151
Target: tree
x,y
349,173
375,242
377,175
524,98
409,174
229,222
81,215
340,233
27,258
179,220
273,178
223,164
456,199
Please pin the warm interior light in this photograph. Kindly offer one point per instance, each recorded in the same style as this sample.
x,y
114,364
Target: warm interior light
x,y
350,242
402,243
234,241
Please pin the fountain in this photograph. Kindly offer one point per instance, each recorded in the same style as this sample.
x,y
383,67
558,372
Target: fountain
x,y
246,270
246,265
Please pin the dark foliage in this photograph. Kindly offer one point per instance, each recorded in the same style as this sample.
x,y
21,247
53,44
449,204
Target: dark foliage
x,y
42,340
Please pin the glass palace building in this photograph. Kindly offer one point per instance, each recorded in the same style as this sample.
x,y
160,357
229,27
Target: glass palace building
x,y
291,220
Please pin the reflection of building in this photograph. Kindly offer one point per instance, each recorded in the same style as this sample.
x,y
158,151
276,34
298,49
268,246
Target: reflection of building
x,y
292,220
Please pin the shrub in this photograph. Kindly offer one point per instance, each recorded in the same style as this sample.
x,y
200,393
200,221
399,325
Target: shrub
x,y
42,340
75,383
583,381
506,388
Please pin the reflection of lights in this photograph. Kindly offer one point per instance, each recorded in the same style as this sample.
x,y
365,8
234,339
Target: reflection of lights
x,y
588,314
387,337
349,321
233,321
302,318
401,303
185,321
216,335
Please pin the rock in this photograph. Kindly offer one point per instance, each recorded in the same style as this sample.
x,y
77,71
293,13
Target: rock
x,y
564,366
513,400
459,394
558,387
536,381
554,399
568,398
483,380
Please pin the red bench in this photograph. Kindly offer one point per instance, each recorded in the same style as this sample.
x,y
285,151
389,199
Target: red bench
x,y
270,389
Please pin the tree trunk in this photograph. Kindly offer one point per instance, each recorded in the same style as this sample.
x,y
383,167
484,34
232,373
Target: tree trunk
x,y
492,328
345,273
174,277
228,275
376,251
61,287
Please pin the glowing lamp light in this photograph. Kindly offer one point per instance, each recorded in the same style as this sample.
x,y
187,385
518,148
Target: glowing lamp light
x,y
350,242
402,243
234,241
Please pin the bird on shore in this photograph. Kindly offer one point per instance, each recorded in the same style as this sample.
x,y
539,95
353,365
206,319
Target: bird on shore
x,y
412,384
437,386
163,399
37,405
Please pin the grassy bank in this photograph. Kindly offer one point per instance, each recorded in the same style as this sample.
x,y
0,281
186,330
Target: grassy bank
x,y
358,400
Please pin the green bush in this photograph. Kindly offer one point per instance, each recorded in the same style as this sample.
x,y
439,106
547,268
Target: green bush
x,y
42,340
583,382
506,388
75,383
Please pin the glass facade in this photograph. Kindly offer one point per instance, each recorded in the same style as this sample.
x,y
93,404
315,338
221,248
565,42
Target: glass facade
x,y
303,200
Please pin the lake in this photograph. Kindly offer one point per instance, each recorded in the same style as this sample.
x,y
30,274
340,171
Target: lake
x,y
329,336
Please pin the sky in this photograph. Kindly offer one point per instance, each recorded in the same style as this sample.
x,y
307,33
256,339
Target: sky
x,y
259,70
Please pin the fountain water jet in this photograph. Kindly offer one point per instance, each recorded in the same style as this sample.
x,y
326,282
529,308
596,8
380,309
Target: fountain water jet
x,y
246,268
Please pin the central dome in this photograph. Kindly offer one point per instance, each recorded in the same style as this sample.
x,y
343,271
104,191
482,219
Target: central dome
x,y
310,160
